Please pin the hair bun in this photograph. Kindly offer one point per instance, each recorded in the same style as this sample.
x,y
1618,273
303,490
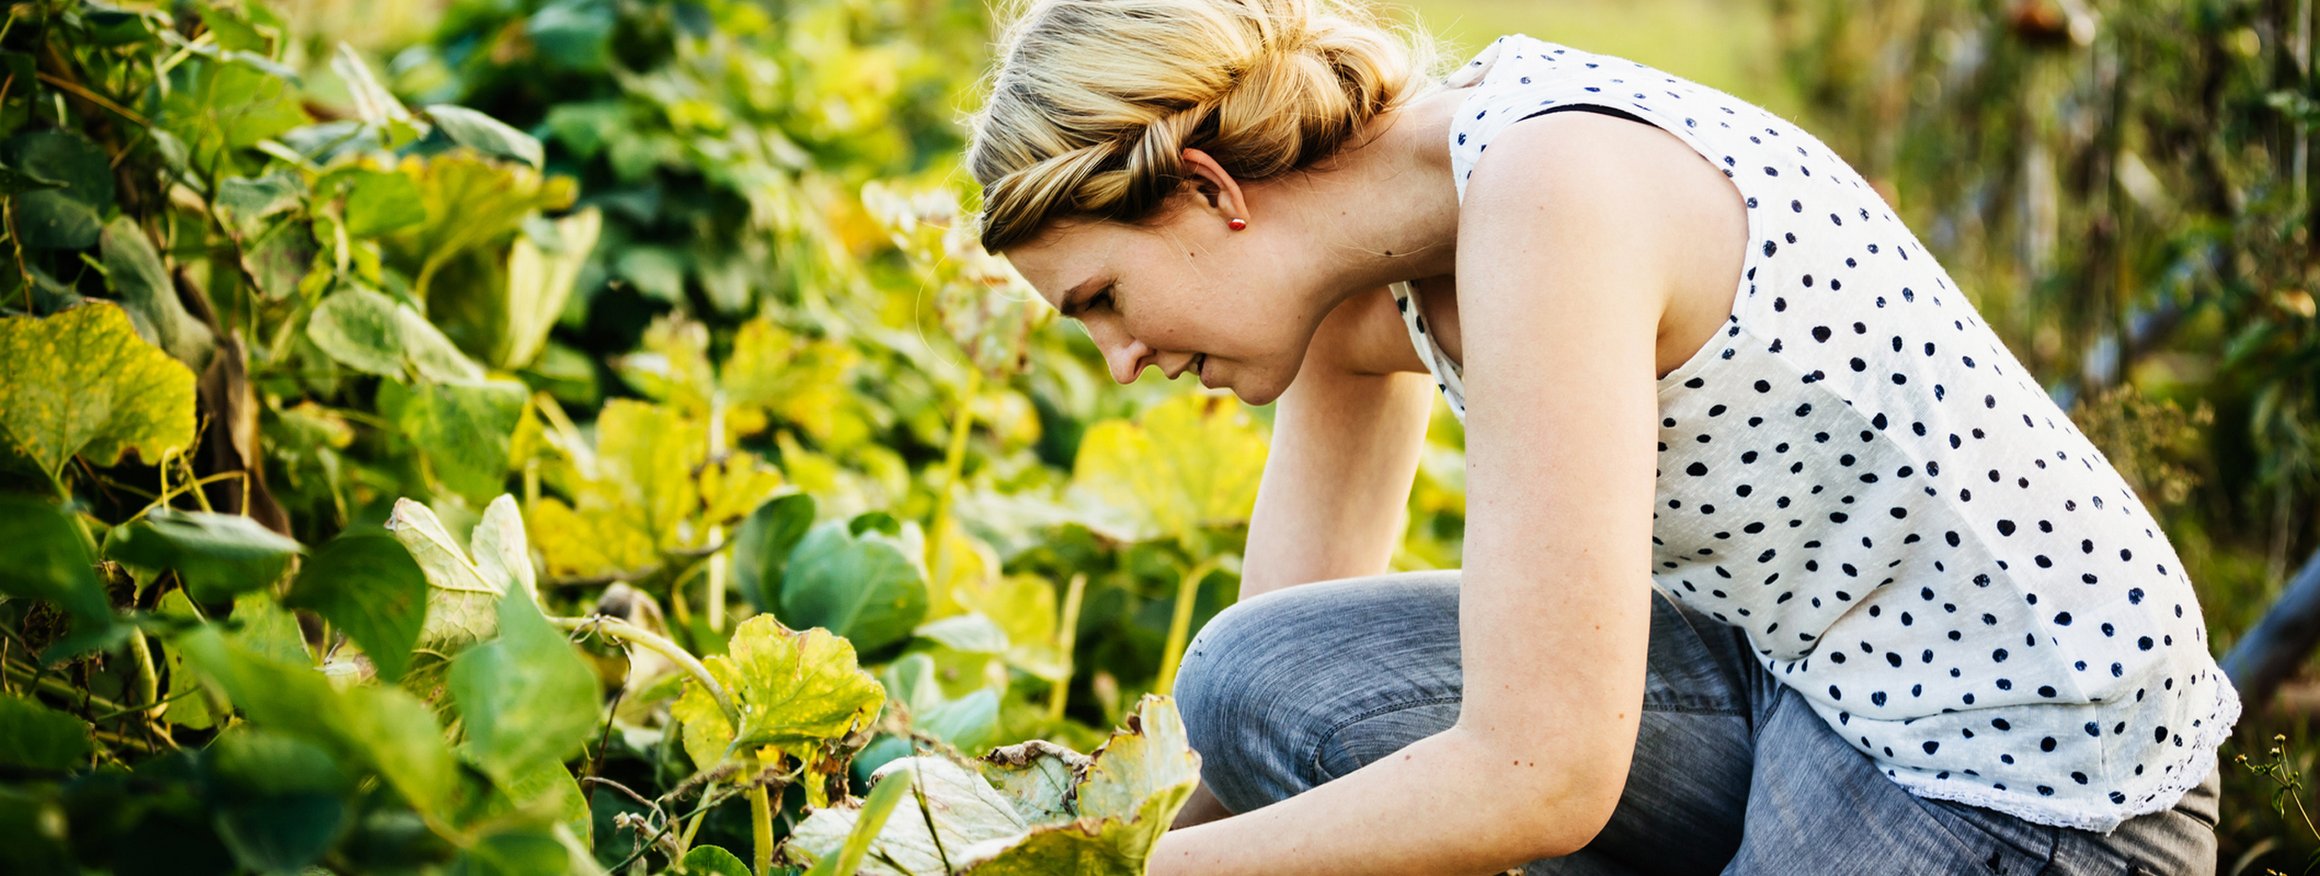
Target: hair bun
x,y
1094,101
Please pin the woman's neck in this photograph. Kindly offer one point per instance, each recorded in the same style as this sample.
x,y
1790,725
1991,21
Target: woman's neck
x,y
1382,211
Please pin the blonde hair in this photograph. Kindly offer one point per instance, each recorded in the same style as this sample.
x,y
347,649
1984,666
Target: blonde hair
x,y
1094,101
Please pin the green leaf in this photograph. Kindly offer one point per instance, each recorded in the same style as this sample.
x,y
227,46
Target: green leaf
x,y
246,202
762,544
862,587
502,552
526,850
656,271
42,557
265,628
525,697
383,201
69,216
373,103
1190,462
82,382
794,690
134,270
712,861
382,730
186,708
372,333
37,737
216,555
232,29
221,104
366,583
540,279
16,182
281,802
462,605
463,429
485,134
968,722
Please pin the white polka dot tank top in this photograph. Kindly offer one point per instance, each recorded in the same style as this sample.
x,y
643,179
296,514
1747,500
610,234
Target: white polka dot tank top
x,y
1859,474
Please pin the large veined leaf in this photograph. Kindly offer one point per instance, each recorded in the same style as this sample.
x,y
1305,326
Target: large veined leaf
x,y
525,697
649,486
1104,821
797,693
135,272
864,587
378,729
216,555
281,801
1190,462
462,430
42,557
963,820
225,102
367,584
369,332
1039,777
462,601
36,736
485,134
539,281
82,382
967,722
868,823
66,210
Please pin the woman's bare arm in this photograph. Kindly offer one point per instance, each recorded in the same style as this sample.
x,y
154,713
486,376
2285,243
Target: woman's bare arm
x,y
1346,440
1560,324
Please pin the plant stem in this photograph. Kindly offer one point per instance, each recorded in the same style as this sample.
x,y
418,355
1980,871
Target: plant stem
x,y
954,460
1180,624
62,688
635,635
1066,638
761,828
718,561
148,678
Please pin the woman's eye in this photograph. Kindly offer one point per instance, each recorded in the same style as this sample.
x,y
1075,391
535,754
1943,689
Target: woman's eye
x,y
1101,299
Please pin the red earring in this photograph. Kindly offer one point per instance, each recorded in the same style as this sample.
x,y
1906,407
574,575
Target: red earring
x,y
1237,223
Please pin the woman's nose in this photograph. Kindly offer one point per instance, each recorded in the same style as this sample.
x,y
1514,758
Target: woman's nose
x,y
1126,358
1123,354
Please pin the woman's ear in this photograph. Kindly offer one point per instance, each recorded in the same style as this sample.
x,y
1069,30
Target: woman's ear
x,y
1219,192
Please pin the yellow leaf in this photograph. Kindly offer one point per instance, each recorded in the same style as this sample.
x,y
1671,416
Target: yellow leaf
x,y
82,382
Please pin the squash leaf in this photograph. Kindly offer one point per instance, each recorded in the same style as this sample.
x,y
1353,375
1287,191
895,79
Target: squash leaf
x,y
83,383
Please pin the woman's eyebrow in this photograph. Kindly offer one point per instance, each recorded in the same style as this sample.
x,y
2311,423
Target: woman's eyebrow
x,y
1073,303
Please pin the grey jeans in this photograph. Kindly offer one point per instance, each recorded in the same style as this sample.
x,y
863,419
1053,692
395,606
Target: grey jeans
x,y
1733,772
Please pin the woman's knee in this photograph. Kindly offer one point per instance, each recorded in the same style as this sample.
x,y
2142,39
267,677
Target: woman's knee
x,y
1268,681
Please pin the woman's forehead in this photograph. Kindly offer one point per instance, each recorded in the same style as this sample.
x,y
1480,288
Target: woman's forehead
x,y
1063,256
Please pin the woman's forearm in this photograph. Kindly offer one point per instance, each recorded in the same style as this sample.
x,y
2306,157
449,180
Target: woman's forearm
x,y
1449,803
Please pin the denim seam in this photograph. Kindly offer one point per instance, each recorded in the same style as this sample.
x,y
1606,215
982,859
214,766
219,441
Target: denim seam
x,y
1334,729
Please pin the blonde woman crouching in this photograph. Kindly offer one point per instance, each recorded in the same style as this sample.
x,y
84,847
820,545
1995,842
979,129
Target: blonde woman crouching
x,y
1777,561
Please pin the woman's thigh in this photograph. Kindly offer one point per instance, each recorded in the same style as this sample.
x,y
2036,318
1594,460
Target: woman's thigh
x,y
1291,689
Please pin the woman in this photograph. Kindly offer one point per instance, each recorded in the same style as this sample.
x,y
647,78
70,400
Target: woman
x,y
1776,560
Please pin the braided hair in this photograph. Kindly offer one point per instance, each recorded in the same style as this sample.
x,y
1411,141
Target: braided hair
x,y
1094,101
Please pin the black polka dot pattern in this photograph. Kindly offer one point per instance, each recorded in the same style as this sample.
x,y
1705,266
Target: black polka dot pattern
x,y
1858,473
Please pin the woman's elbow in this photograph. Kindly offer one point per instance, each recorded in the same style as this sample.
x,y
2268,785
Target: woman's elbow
x,y
1577,804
